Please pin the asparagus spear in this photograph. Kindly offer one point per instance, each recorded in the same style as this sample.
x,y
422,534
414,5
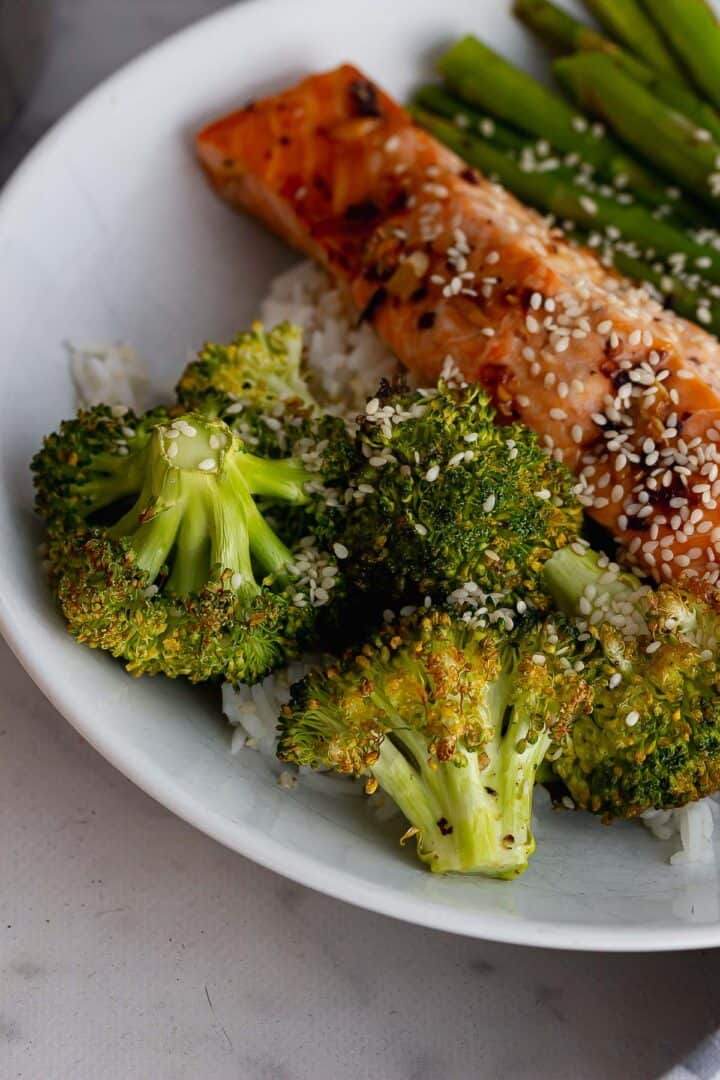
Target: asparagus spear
x,y
671,290
532,155
690,301
566,34
560,29
555,195
483,78
664,136
437,100
626,21
694,33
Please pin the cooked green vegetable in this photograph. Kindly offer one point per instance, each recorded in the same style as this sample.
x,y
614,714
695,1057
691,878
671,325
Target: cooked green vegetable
x,y
691,27
484,79
626,21
437,100
452,721
666,137
652,737
259,369
566,34
256,386
447,496
159,553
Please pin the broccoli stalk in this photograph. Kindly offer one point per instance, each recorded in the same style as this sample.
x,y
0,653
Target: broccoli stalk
x,y
452,721
196,509
487,795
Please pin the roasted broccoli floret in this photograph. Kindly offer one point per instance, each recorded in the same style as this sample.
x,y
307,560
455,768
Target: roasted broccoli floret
x,y
258,369
445,496
160,555
255,385
451,719
652,738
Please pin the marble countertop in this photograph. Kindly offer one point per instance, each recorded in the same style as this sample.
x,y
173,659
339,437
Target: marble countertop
x,y
131,946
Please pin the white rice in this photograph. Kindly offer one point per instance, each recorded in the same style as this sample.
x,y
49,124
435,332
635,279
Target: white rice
x,y
691,827
345,362
109,375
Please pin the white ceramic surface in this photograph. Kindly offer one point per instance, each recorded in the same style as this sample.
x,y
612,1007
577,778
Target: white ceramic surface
x,y
108,232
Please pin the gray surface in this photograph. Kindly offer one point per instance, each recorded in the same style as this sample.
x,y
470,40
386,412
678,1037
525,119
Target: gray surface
x,y
132,947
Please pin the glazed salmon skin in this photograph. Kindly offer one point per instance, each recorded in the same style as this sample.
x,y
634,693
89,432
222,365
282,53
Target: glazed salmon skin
x,y
445,263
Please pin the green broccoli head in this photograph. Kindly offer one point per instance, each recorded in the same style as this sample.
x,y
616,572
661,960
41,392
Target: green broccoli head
x,y
258,370
452,720
256,386
160,555
445,496
652,738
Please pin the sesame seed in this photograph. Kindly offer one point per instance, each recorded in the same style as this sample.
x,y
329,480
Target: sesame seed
x,y
653,647
432,474
539,658
341,551
632,718
420,529
489,504
118,411
558,414
207,464
614,680
635,338
532,324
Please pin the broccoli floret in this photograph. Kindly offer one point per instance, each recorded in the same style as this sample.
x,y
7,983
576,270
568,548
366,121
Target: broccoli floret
x,y
258,369
652,739
445,496
159,553
255,385
451,719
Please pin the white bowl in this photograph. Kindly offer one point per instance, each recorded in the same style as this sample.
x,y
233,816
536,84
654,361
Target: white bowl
x,y
109,232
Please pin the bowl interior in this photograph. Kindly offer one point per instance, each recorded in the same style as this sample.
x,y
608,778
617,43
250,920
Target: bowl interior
x,y
108,233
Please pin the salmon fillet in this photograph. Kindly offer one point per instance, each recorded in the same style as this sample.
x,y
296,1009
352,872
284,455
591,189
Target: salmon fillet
x,y
444,263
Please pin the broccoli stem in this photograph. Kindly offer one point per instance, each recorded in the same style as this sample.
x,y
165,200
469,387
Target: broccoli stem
x,y
472,814
568,574
275,479
191,556
195,509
